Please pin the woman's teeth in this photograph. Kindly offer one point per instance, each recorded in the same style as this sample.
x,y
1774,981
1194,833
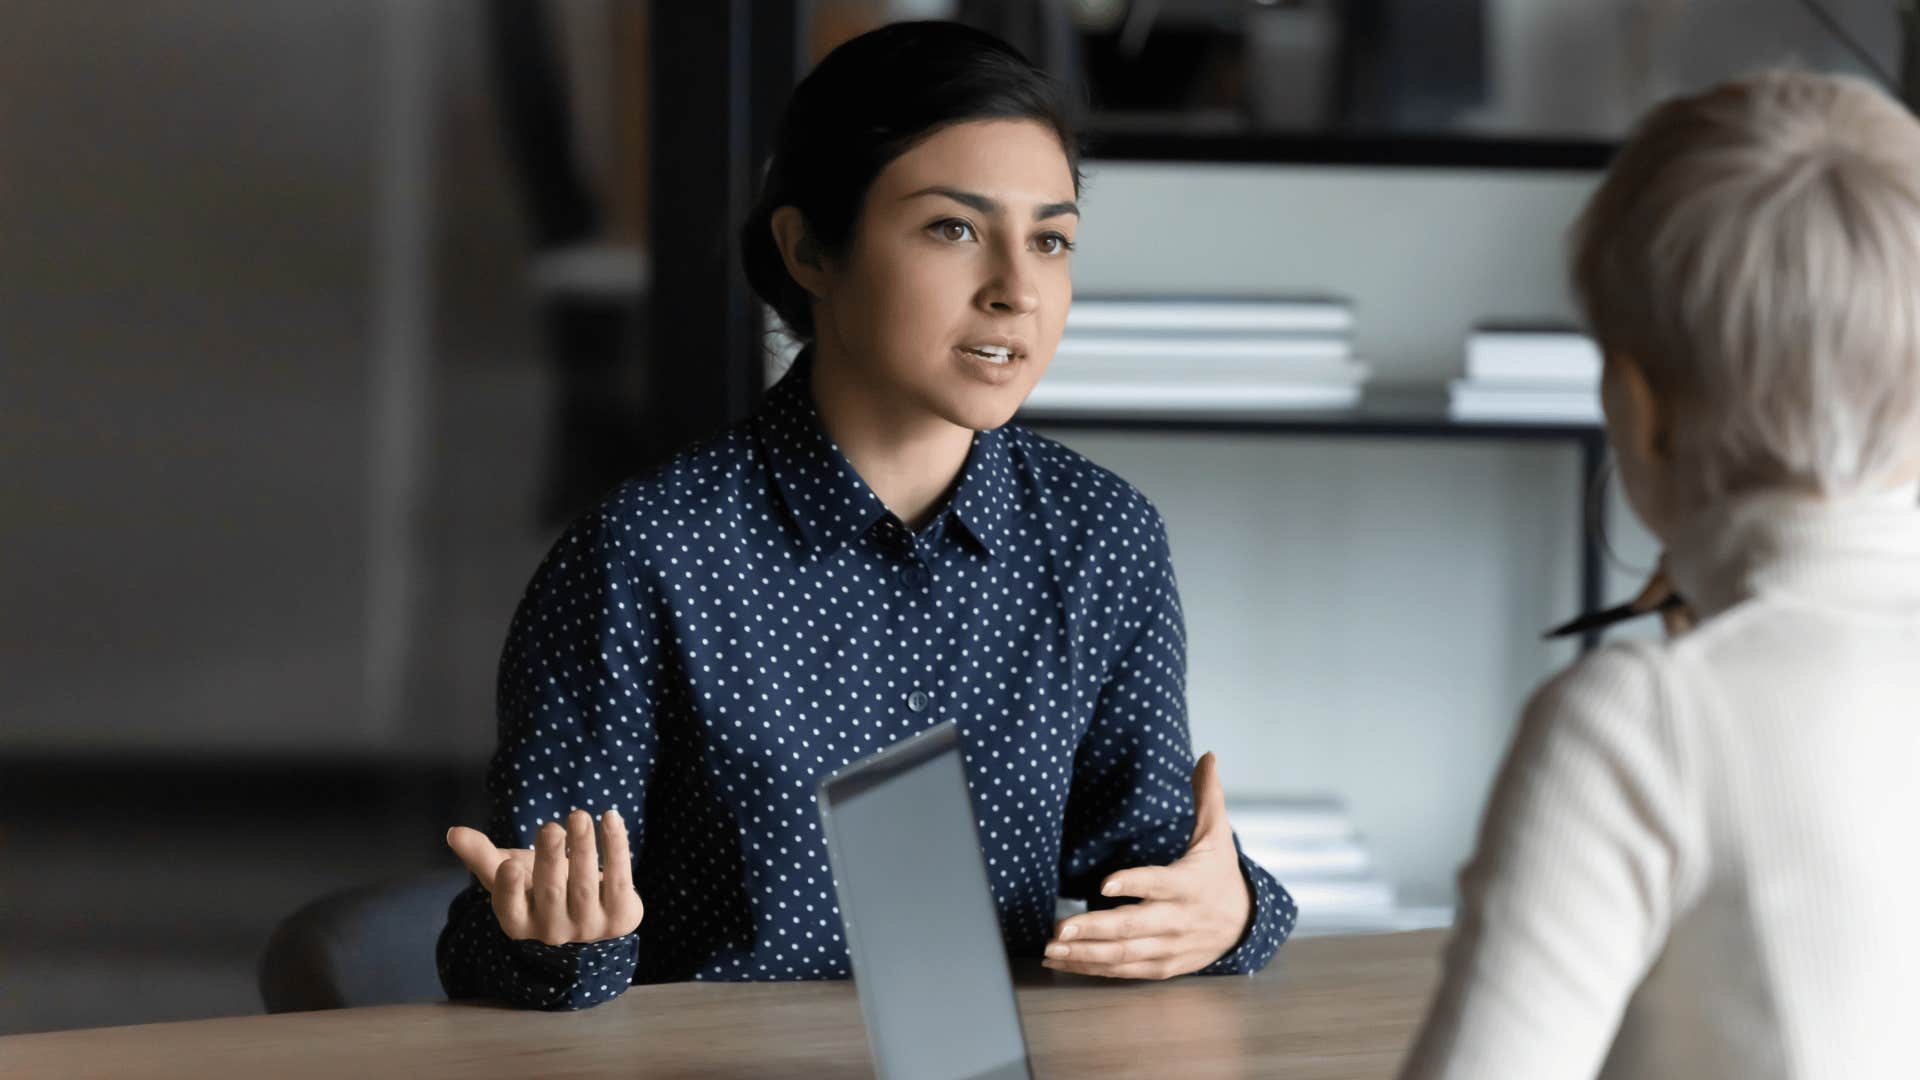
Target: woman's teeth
x,y
992,354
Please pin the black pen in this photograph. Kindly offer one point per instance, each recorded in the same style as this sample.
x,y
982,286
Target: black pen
x,y
1595,620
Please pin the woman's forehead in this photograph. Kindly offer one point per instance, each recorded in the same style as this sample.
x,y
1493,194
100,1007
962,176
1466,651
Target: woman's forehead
x,y
1018,164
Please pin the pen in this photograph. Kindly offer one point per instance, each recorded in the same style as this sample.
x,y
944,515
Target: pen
x,y
1595,620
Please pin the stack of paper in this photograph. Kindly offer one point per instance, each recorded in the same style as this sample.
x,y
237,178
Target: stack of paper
x,y
1312,848
1188,355
1528,375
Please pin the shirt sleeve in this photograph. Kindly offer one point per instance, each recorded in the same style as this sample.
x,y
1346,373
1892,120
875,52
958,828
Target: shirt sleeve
x,y
579,681
1582,862
1131,802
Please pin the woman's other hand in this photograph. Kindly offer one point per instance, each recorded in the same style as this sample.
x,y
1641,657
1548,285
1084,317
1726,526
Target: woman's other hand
x,y
1189,915
557,892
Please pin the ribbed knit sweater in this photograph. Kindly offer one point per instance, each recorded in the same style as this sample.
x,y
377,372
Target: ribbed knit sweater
x,y
1699,859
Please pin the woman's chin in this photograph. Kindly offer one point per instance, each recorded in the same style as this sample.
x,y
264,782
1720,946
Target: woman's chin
x,y
984,412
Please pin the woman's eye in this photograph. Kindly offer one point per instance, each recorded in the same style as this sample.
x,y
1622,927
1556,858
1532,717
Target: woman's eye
x,y
1053,244
955,230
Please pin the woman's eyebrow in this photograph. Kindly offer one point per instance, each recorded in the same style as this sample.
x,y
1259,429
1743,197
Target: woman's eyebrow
x,y
988,205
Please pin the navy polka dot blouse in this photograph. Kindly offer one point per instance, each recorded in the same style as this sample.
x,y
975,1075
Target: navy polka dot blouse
x,y
718,635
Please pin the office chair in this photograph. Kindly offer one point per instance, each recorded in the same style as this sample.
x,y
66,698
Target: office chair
x,y
372,945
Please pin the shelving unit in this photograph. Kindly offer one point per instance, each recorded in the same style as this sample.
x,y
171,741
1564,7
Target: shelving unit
x,y
1384,413
1389,151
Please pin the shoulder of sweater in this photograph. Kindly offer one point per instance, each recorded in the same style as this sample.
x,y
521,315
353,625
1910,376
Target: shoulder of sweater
x,y
1623,708
1625,674
1616,701
1616,714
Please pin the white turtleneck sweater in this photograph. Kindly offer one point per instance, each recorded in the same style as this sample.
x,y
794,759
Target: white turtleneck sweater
x,y
1699,859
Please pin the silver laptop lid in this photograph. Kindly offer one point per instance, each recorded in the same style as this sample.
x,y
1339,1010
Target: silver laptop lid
x,y
928,959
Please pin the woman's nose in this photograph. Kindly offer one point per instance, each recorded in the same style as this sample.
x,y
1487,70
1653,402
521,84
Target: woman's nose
x,y
1011,291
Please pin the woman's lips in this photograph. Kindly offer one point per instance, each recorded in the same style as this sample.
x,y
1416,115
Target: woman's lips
x,y
988,366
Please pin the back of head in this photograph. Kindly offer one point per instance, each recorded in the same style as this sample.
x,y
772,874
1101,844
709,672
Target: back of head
x,y
1756,250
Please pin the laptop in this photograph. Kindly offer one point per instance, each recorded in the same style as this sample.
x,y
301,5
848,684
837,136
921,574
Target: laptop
x,y
928,959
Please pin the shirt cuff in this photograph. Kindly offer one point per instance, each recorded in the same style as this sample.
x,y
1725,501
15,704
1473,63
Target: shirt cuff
x,y
1271,922
579,974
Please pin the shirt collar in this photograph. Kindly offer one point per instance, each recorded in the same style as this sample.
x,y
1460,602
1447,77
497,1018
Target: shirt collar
x,y
982,499
828,502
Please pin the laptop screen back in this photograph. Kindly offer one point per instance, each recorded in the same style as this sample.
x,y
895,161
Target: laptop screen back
x,y
928,958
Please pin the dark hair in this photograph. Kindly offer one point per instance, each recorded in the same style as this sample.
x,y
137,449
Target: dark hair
x,y
869,101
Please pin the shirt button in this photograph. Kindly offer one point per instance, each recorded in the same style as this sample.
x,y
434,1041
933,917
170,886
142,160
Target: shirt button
x,y
915,577
918,700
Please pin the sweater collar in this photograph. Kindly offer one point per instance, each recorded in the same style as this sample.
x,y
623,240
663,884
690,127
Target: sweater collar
x,y
1857,552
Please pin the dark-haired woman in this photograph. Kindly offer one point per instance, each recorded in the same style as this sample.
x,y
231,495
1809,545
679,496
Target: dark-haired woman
x,y
875,551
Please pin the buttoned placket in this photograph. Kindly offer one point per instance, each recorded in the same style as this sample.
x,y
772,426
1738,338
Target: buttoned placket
x,y
916,559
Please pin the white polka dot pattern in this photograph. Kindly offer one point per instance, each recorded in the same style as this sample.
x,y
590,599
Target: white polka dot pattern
x,y
717,636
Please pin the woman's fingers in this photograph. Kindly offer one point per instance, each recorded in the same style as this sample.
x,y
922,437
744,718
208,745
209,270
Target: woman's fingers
x,y
558,892
481,858
616,859
1147,883
1132,921
583,873
550,884
1109,953
1153,939
1210,806
624,915
510,898
617,897
1138,969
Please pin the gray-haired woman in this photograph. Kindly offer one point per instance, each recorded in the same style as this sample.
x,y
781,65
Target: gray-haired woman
x,y
1698,859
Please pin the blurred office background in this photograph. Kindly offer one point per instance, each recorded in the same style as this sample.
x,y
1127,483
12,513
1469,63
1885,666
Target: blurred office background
x,y
318,320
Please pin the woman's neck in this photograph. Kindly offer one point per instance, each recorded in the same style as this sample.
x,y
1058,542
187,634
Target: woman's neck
x,y
909,457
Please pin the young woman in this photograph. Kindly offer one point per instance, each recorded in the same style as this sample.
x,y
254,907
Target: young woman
x,y
872,553
1698,860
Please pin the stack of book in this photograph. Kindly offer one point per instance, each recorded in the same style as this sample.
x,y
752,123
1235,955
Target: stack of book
x,y
1312,848
1165,355
1528,375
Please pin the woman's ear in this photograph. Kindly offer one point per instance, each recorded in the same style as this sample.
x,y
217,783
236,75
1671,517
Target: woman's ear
x,y
800,251
1634,413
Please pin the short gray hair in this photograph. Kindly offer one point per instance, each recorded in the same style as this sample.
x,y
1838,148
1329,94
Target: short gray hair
x,y
1756,248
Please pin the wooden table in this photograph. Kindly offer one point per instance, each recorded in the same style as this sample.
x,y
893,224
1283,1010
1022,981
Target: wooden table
x,y
1327,1009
